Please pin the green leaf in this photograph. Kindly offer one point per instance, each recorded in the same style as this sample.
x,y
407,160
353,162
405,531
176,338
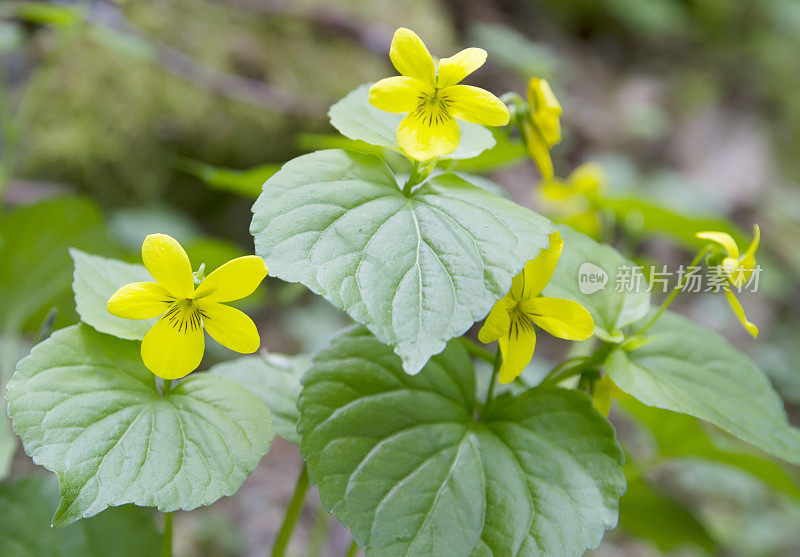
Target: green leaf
x,y
406,465
33,255
504,154
275,379
646,513
25,529
243,182
687,368
681,436
416,270
95,280
611,309
356,119
86,408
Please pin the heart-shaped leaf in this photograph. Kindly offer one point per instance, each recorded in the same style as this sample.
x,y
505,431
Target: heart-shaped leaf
x,y
95,280
275,379
418,270
356,119
406,465
684,367
86,408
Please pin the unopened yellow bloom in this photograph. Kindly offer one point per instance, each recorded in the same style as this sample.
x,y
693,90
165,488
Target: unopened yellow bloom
x,y
432,97
174,346
512,319
540,126
738,269
575,200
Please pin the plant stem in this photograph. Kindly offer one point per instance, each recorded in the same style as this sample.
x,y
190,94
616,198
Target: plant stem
x,y
166,540
292,514
597,358
498,360
477,351
167,388
674,294
352,551
413,179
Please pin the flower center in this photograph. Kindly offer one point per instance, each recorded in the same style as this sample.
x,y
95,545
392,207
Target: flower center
x,y
432,110
520,322
184,316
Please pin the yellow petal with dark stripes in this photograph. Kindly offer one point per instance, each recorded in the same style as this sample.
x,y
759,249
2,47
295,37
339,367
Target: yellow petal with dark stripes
x,y
139,300
174,346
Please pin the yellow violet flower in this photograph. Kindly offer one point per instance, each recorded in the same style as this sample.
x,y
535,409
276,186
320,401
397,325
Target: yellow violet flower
x,y
174,346
540,126
576,198
738,269
512,319
431,96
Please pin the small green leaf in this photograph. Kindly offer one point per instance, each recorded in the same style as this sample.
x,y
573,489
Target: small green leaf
x,y
275,379
596,276
25,529
690,369
95,280
406,465
356,119
416,270
243,182
646,513
86,408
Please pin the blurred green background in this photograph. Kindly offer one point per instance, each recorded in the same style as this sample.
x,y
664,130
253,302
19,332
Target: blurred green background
x,y
129,117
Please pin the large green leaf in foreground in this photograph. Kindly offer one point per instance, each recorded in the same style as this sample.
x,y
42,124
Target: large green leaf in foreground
x,y
404,463
25,528
417,271
684,367
86,408
605,283
356,119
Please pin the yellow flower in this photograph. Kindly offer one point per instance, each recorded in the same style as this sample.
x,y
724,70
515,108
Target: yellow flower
x,y
738,269
539,124
512,319
575,200
432,97
174,346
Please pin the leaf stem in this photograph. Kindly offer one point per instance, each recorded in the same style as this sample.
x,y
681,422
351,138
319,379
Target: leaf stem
x,y
167,388
477,351
498,361
352,551
292,514
166,540
674,294
419,172
598,357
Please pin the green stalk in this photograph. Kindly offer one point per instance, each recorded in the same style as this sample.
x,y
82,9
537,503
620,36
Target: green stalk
x,y
292,514
352,551
598,357
477,351
674,294
166,540
498,361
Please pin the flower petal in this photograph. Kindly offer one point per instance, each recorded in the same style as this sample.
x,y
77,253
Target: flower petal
x,y
165,259
498,322
739,311
749,258
722,239
410,56
561,318
427,134
538,272
517,347
139,300
398,94
173,349
545,110
537,149
230,327
460,65
234,280
476,105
